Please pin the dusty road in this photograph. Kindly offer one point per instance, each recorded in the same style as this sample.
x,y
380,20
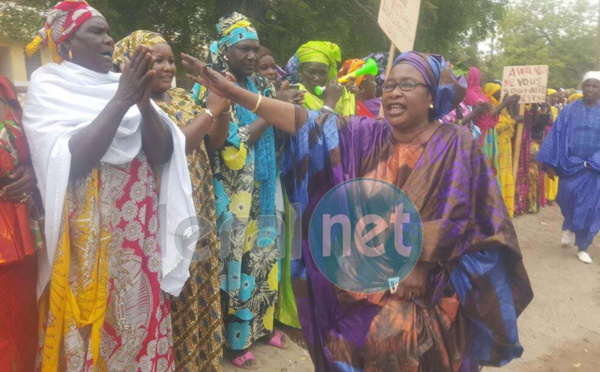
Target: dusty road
x,y
560,330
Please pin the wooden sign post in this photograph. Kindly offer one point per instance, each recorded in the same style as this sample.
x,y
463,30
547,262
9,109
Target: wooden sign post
x,y
529,82
399,19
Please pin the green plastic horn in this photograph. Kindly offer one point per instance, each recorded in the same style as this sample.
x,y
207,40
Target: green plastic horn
x,y
369,68
320,90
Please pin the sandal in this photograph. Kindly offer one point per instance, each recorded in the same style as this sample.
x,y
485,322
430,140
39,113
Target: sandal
x,y
278,341
239,361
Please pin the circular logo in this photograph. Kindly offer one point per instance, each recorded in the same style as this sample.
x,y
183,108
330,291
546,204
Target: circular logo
x,y
365,235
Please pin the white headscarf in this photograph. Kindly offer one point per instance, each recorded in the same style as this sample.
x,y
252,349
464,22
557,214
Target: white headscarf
x,y
591,75
62,100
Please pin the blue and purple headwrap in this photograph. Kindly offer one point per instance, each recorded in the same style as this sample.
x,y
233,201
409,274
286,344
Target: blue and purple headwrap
x,y
444,86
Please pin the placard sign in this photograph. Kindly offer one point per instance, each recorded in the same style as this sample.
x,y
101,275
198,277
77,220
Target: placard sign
x,y
399,20
530,82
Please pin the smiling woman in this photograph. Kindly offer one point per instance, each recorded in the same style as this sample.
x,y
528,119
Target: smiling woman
x,y
97,140
470,256
197,333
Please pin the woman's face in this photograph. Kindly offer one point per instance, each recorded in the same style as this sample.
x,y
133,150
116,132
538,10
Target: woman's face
x,y
313,74
267,67
368,87
164,66
406,110
91,46
242,57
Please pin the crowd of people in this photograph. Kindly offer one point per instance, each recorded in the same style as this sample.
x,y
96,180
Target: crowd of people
x,y
108,167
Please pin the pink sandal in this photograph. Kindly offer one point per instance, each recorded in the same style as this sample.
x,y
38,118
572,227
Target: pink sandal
x,y
277,341
239,361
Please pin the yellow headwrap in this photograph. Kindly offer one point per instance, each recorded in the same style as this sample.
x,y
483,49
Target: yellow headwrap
x,y
490,89
551,92
321,52
574,97
126,46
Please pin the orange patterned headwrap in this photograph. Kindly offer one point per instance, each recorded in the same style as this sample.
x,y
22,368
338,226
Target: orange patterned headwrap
x,y
349,67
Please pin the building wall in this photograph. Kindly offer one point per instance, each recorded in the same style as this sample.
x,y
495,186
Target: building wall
x,y
13,61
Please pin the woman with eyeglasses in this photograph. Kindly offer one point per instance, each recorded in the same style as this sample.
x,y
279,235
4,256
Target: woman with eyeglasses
x,y
457,309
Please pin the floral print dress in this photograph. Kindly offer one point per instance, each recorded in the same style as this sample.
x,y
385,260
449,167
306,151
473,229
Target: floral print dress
x,y
249,271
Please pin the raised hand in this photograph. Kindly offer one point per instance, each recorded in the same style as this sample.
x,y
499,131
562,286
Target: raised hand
x,y
212,80
217,105
290,95
137,73
481,109
333,93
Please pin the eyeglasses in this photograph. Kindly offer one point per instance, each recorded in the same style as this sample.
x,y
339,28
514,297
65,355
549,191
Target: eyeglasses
x,y
405,86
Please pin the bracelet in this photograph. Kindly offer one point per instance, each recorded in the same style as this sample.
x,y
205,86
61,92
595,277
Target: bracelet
x,y
257,104
327,108
209,113
25,198
228,112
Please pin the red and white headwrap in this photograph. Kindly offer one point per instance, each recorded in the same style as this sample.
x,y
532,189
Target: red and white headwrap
x,y
61,22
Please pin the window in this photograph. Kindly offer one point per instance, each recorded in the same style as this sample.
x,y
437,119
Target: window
x,y
32,63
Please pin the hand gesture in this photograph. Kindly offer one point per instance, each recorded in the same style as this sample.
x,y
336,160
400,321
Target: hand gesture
x,y
216,104
481,109
334,92
353,88
137,73
519,119
21,184
290,95
513,100
212,80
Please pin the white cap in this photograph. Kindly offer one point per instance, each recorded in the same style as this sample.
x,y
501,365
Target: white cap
x,y
591,75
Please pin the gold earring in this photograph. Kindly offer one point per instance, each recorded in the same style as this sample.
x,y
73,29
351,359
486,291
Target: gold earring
x,y
70,54
431,106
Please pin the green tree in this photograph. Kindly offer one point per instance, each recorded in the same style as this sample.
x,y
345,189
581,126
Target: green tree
x,y
18,22
560,34
444,27
452,28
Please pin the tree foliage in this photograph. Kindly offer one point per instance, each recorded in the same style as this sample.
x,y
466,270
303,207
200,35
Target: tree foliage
x,y
285,24
445,26
183,22
18,22
558,33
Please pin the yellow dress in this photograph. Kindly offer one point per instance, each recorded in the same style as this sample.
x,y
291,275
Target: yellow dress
x,y
196,313
506,130
550,186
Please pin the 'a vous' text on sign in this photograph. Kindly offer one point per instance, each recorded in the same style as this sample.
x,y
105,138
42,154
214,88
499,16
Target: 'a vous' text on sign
x,y
530,82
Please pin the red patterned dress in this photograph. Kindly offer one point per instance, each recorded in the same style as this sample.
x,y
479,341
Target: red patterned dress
x,y
19,237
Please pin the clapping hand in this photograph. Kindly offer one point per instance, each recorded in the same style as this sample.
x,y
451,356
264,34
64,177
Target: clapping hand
x,y
134,86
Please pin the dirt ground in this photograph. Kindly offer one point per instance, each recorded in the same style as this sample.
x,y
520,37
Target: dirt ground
x,y
560,330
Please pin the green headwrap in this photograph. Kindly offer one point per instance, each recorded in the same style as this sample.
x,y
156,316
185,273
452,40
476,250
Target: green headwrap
x,y
321,52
